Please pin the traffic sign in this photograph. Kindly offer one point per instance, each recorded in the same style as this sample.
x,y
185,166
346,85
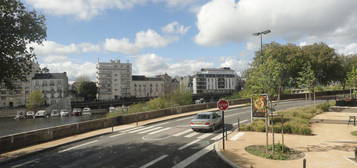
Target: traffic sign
x,y
222,105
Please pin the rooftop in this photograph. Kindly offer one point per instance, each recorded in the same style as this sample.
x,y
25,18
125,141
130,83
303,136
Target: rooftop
x,y
144,78
50,75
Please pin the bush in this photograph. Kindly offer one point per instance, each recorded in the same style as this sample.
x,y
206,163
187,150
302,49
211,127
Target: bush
x,y
295,121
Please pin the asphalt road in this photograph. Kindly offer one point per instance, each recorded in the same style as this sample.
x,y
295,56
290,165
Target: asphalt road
x,y
165,144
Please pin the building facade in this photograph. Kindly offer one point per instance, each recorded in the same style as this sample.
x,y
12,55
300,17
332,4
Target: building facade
x,y
113,80
18,96
54,86
143,86
215,80
170,84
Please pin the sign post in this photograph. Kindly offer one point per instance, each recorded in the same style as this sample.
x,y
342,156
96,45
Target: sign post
x,y
223,105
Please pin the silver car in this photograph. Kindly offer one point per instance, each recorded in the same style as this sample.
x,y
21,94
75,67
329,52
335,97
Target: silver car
x,y
206,121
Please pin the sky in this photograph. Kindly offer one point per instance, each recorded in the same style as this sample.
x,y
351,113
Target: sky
x,y
179,37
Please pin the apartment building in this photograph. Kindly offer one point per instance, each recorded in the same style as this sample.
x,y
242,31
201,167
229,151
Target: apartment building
x,y
215,80
113,80
54,86
18,96
143,86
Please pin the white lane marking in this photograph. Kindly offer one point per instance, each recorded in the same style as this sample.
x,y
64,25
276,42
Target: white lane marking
x,y
161,124
191,135
131,129
116,135
204,136
154,161
183,118
194,157
188,144
25,163
240,122
145,128
159,131
152,129
74,147
183,132
237,136
217,137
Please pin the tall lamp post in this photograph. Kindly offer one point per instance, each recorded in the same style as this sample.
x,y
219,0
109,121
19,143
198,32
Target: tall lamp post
x,y
261,38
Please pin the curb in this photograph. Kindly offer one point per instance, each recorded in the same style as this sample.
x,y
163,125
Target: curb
x,y
221,156
19,157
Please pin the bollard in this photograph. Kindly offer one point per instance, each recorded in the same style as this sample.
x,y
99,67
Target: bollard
x,y
304,163
238,124
356,153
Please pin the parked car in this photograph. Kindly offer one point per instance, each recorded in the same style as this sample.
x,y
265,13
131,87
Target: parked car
x,y
41,113
86,111
30,114
77,111
111,109
20,115
64,113
206,121
55,113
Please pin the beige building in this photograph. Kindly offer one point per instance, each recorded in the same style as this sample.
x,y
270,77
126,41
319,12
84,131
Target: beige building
x,y
54,86
113,80
18,96
146,87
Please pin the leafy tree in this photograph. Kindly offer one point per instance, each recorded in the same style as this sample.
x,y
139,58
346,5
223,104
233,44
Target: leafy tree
x,y
80,79
35,100
351,80
19,28
44,70
307,79
88,90
265,78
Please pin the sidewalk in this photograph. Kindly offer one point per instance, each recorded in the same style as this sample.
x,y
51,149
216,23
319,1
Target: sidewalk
x,y
331,146
52,144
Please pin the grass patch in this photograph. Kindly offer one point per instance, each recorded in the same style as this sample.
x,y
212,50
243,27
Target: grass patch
x,y
295,121
281,152
354,133
175,99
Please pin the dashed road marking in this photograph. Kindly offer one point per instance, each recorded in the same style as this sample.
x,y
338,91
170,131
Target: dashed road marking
x,y
25,163
191,135
188,144
164,129
154,161
152,129
194,157
183,132
204,136
74,147
145,128
116,135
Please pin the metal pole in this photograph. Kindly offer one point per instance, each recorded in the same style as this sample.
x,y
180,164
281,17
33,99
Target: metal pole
x,y
304,163
223,129
238,124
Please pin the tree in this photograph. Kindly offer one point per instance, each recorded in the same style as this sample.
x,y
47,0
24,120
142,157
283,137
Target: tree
x,y
351,80
307,79
35,100
88,90
19,28
44,70
80,79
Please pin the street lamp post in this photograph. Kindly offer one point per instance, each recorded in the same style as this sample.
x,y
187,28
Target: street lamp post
x,y
261,38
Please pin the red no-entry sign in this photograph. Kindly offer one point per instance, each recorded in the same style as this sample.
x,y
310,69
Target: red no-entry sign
x,y
222,105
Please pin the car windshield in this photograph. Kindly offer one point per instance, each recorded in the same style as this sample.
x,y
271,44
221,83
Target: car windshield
x,y
203,116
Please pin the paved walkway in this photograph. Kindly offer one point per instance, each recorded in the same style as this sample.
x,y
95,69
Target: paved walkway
x,y
55,143
331,146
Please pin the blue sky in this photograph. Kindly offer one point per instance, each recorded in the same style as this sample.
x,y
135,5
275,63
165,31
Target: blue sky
x,y
179,37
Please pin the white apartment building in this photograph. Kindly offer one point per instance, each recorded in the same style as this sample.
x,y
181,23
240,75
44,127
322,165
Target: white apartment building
x,y
113,80
215,80
147,87
18,96
54,86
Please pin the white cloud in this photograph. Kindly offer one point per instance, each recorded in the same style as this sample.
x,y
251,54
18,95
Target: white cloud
x,y
175,27
143,39
51,47
86,9
221,21
55,58
152,64
236,64
73,70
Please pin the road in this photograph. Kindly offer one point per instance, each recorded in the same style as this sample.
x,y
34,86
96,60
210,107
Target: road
x,y
164,144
